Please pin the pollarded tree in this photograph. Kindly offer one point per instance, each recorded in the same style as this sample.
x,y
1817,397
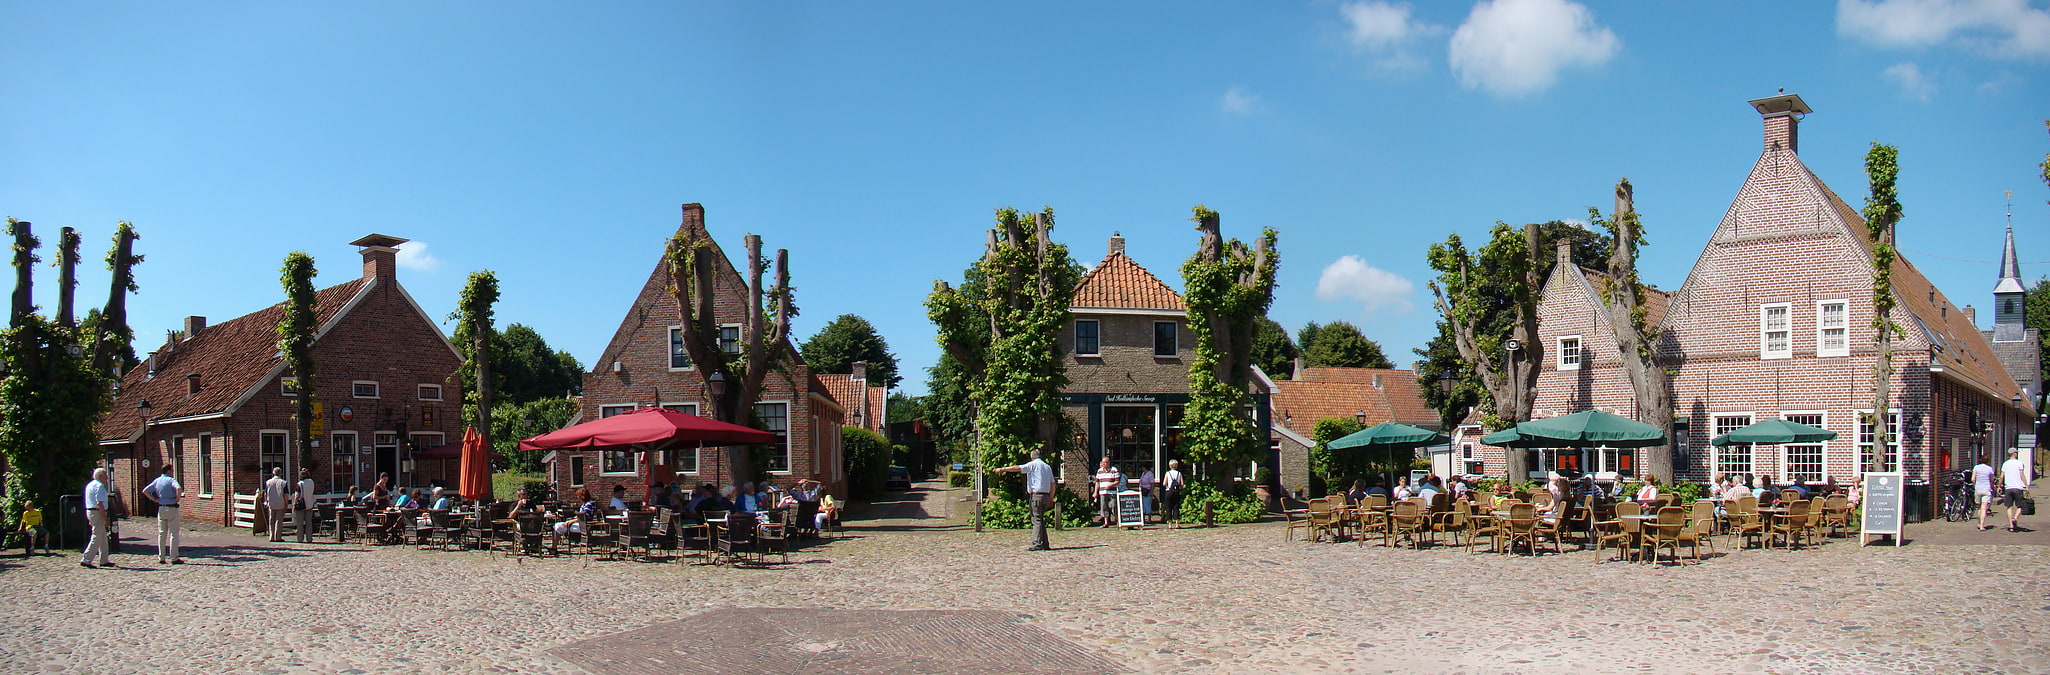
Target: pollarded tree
x,y
733,382
295,340
1496,287
473,330
1622,298
1227,285
1002,329
1882,210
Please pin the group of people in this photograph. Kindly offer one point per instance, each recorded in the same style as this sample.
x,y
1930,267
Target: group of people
x,y
1165,491
2014,478
699,503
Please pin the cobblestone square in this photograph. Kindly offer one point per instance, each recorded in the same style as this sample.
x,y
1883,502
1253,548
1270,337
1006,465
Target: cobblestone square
x,y
1228,599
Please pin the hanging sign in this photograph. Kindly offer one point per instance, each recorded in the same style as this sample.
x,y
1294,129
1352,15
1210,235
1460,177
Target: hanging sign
x,y
319,425
348,414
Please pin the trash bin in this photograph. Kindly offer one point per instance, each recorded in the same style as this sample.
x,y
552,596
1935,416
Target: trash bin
x,y
1919,505
69,528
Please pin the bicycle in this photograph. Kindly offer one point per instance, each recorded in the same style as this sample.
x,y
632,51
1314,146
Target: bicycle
x,y
1957,499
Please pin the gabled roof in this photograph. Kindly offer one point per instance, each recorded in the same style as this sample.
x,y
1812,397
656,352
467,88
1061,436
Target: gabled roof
x,y
847,392
1320,393
229,357
1120,283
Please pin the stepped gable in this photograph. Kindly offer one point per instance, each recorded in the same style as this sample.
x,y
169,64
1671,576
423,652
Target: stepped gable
x,y
229,357
1120,283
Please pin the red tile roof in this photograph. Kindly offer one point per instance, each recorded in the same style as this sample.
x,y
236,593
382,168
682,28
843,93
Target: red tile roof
x,y
1120,283
1320,393
846,391
229,358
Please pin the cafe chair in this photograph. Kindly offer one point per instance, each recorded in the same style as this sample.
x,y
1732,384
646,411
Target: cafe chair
x,y
737,539
1665,532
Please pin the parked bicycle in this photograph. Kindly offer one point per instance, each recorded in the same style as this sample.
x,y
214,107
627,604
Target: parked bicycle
x,y
1957,498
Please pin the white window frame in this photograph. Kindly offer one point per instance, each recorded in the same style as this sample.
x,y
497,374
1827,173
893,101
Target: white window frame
x,y
261,466
416,439
1764,331
788,410
1858,439
1821,329
674,337
737,337
1156,340
355,460
422,390
1786,456
633,462
356,392
1098,351
576,469
1579,352
288,386
1715,428
629,407
695,459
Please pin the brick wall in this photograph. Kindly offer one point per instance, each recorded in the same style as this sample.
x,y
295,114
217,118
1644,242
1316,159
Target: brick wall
x,y
1126,363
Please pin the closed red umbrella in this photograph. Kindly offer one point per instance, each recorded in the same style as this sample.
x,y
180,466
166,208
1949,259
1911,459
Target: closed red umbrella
x,y
648,429
475,481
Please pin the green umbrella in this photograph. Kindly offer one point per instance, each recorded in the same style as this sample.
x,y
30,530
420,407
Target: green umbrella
x,y
1587,428
1775,432
1389,436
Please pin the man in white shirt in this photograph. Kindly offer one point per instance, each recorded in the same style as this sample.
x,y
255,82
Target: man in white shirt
x,y
276,502
1982,484
166,492
1171,493
96,515
302,507
2014,479
1039,492
1108,478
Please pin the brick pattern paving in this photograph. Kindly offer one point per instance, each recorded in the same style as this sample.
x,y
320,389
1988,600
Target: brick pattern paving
x,y
838,641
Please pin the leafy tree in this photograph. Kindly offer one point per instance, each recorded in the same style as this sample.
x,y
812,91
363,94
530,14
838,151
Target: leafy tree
x,y
1481,293
1882,210
1002,329
1341,345
904,407
511,422
2036,314
523,367
1622,296
949,408
1441,357
850,338
1227,285
1337,468
1273,351
473,329
295,340
764,327
867,456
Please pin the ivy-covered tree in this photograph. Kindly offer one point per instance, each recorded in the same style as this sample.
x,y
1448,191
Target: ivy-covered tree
x,y
1002,329
764,327
113,342
1474,292
1622,298
1341,345
846,340
473,330
1882,211
295,340
1273,351
1227,285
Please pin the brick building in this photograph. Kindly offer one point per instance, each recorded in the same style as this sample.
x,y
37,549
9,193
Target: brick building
x,y
645,366
867,406
1127,353
1368,396
1775,320
220,405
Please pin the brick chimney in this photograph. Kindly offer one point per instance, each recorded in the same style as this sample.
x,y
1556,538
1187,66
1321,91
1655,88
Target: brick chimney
x,y
380,256
694,219
1565,251
859,372
193,325
1971,315
1782,115
1117,243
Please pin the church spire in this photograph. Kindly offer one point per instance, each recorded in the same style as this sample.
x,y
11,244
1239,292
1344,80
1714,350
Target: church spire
x,y
2010,267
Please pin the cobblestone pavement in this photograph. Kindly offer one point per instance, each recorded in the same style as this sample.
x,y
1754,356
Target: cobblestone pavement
x,y
1232,599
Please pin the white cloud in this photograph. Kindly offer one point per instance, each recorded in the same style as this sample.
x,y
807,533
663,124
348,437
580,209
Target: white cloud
x,y
1238,101
1350,278
2002,28
413,256
1386,31
1913,83
1515,47
1576,222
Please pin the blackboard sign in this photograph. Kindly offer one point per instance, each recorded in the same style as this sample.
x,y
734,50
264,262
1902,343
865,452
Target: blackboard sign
x,y
1882,514
1131,509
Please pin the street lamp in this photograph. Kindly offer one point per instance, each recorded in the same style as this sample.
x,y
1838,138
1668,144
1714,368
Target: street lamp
x,y
1448,381
717,383
1360,416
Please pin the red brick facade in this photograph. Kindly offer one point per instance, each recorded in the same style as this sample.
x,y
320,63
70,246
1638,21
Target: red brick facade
x,y
635,371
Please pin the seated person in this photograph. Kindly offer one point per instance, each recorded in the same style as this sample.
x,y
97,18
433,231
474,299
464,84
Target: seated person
x,y
31,530
746,500
523,507
441,501
1426,488
1794,484
618,502
1650,491
586,510
829,512
1375,488
659,498
416,499
355,497
1358,494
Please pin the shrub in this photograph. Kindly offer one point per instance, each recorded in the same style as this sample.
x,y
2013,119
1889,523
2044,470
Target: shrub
x,y
868,461
960,479
1004,512
1234,506
537,491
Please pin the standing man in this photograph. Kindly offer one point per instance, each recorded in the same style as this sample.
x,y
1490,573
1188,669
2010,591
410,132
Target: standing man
x,y
96,516
166,492
275,500
2014,477
1106,488
1038,491
1171,493
1982,484
302,507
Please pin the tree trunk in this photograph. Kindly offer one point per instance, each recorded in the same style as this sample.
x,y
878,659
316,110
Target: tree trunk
x,y
480,348
1622,300
67,275
24,273
113,326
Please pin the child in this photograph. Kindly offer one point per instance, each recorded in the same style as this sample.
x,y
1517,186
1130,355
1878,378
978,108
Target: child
x,y
31,530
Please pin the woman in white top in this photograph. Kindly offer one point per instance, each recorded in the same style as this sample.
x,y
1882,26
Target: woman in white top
x,y
1650,491
1982,483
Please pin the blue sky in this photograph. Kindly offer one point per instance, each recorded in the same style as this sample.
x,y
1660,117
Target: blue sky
x,y
554,144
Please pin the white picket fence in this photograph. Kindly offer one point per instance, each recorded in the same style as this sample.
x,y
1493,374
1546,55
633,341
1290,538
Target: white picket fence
x,y
244,514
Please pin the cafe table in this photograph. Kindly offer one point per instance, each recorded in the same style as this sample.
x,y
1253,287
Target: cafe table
x,y
1773,514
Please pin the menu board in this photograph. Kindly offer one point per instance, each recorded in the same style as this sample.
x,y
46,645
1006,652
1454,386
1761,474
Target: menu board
x,y
1131,509
1882,514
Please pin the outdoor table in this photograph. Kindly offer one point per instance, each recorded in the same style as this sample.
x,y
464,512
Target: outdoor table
x,y
1772,514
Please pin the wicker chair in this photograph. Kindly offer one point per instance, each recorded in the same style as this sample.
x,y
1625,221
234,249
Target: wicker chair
x,y
1836,514
1550,525
1793,526
1482,524
1323,520
1521,525
1618,533
1455,521
1666,532
772,536
1406,520
1700,529
737,539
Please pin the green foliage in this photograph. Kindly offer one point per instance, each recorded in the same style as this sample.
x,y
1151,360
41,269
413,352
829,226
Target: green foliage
x,y
1003,328
473,317
1012,512
523,367
1232,506
511,422
1226,285
2036,314
847,339
949,409
868,460
1273,351
960,479
511,485
536,491
295,340
1882,211
1337,467
904,407
1441,357
49,403
1341,345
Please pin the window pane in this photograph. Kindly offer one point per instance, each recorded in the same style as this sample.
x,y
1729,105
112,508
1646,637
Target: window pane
x,y
678,356
344,463
1087,337
619,461
1164,338
1735,457
775,417
206,465
271,453
729,339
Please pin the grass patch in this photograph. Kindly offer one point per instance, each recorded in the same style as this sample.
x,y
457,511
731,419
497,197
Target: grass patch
x,y
505,486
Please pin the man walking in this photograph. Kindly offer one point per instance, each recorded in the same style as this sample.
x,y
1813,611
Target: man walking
x,y
302,507
2014,478
166,492
96,517
1982,484
1038,491
276,504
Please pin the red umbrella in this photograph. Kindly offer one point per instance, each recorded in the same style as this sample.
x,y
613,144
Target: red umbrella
x,y
647,429
475,482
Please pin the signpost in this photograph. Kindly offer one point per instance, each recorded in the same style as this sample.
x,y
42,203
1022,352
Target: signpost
x,y
1882,514
1131,509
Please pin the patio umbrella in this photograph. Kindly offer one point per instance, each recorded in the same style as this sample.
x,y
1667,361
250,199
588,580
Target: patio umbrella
x,y
1389,436
647,429
1587,428
1775,432
475,481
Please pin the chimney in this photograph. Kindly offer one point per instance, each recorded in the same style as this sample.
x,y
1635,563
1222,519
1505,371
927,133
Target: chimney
x,y
694,219
1301,368
1971,315
151,373
1782,115
1565,251
1117,243
380,256
859,372
1377,380
194,324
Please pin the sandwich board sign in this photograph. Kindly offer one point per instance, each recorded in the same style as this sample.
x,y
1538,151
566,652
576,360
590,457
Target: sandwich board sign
x,y
1882,514
1131,509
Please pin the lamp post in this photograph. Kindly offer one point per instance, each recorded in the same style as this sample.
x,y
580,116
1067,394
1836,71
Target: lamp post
x,y
142,440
